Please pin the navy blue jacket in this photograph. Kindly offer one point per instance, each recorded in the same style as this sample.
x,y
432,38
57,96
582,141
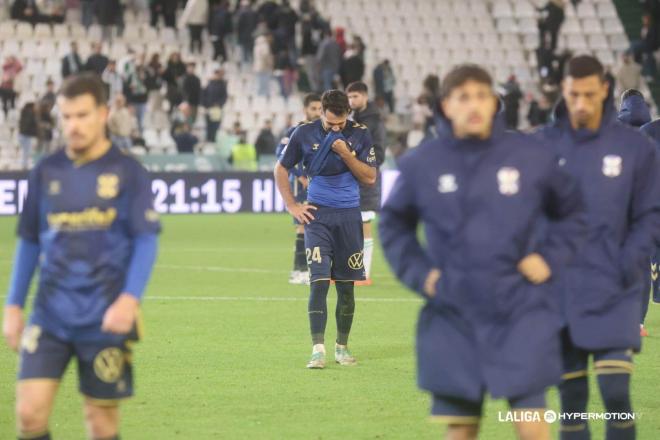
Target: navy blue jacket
x,y
634,111
652,130
483,205
617,169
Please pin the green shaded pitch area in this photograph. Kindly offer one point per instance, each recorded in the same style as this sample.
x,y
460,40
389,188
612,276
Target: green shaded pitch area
x,y
226,343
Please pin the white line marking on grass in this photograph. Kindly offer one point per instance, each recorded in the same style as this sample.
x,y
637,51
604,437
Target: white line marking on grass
x,y
271,299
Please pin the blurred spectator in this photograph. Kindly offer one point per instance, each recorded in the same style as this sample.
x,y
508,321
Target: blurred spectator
x,y
154,83
213,99
136,91
220,28
227,140
263,65
328,57
97,62
122,123
550,23
184,139
195,16
359,46
49,98
191,87
421,111
629,74
246,24
648,43
28,131
310,25
87,12
340,38
108,16
45,127
287,19
166,8
268,12
24,10
71,63
284,72
511,95
113,80
10,70
244,156
266,142
384,82
634,110
539,111
50,11
352,67
173,76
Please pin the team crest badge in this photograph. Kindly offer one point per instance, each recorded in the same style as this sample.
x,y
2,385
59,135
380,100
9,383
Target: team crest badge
x,y
107,186
508,179
447,183
54,187
612,165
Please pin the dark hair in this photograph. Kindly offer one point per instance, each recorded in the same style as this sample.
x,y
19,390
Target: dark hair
x,y
461,74
357,86
631,92
85,84
583,66
311,97
336,102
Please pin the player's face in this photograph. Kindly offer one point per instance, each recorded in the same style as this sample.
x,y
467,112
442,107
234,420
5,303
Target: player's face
x,y
471,109
357,100
313,111
83,121
334,122
584,99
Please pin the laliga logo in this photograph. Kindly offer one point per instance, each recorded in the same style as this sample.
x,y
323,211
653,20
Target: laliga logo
x,y
508,179
612,165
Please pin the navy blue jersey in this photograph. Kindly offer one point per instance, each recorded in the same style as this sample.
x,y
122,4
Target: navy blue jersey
x,y
84,218
335,186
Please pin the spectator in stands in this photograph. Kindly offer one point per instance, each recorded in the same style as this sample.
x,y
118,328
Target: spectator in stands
x,y
220,28
550,23
173,75
113,80
511,96
539,111
266,142
154,84
195,16
285,72
287,19
268,12
244,156
310,25
352,67
184,139
108,16
246,24
263,64
11,68
136,91
49,98
213,99
46,125
328,57
359,46
644,48
51,11
122,123
27,131
384,82
87,12
634,111
24,10
71,63
191,87
166,8
341,38
97,62
226,140
629,74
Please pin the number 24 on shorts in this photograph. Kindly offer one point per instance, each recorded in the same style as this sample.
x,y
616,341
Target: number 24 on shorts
x,y
313,255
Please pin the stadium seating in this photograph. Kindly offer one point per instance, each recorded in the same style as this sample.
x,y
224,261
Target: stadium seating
x,y
418,37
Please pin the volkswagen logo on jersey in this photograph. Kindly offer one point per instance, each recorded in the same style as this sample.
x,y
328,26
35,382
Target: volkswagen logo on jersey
x,y
447,183
508,179
612,165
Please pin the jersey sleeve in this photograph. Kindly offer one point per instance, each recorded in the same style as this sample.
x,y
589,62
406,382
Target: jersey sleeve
x,y
29,221
292,152
367,151
142,217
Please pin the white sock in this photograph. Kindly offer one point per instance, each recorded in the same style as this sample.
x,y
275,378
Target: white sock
x,y
318,348
368,255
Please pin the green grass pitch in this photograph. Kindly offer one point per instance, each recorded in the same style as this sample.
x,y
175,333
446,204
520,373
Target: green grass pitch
x,y
226,345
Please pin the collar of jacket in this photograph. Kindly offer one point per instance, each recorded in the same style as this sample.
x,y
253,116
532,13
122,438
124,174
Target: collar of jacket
x,y
561,120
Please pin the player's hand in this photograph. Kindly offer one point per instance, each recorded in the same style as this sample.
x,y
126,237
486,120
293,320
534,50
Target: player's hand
x,y
431,281
339,146
121,315
304,181
535,269
301,212
12,326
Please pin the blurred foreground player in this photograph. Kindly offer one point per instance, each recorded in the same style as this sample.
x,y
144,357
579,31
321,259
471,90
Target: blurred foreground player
x,y
88,223
337,154
483,195
617,170
366,112
299,183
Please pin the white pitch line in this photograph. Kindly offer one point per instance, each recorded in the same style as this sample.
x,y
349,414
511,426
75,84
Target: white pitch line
x,y
271,299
